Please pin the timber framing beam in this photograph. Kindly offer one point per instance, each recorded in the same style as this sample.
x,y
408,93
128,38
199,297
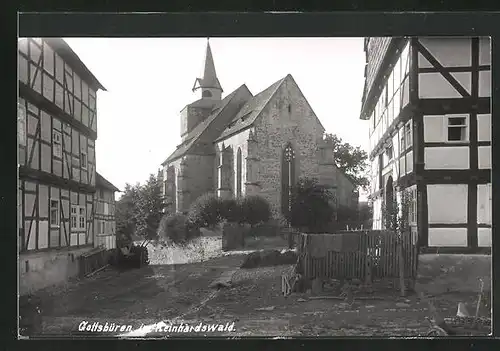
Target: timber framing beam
x,y
28,93
51,179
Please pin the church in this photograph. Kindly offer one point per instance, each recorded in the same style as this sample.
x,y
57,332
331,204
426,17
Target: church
x,y
245,144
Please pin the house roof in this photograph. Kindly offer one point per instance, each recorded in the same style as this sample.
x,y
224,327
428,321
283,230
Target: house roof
x,y
193,138
68,55
101,182
251,110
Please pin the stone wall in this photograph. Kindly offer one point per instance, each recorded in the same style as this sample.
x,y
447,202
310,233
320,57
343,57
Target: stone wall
x,y
287,117
43,269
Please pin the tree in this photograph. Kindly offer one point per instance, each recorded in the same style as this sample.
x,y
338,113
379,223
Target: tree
x,y
312,206
125,213
149,208
353,161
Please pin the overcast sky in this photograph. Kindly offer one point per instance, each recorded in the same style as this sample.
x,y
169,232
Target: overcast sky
x,y
149,82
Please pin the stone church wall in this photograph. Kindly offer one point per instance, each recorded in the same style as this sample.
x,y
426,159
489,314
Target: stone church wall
x,y
287,118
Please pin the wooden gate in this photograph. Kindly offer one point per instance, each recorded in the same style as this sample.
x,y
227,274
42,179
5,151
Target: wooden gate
x,y
356,255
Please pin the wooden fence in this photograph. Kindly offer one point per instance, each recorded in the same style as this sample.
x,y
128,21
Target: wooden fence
x,y
92,261
357,255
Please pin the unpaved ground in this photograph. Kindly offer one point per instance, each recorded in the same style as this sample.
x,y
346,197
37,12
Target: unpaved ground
x,y
182,293
134,297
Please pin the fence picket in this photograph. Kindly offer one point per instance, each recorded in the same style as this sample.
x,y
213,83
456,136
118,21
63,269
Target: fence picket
x,y
377,251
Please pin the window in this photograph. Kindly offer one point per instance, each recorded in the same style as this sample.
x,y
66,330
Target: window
x,y
412,205
206,93
101,194
106,208
83,160
74,217
408,135
21,123
81,217
78,219
56,144
54,213
402,143
457,129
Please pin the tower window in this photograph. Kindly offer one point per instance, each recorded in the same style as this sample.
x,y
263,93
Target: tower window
x,y
206,93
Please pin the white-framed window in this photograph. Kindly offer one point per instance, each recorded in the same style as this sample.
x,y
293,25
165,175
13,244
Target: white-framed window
x,y
106,208
21,124
412,205
56,144
74,217
78,220
81,217
83,160
408,135
456,127
54,213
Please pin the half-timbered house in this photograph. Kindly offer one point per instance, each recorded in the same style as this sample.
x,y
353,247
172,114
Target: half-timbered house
x,y
427,102
105,223
57,122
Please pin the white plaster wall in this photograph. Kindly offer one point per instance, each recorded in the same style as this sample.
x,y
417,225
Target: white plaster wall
x,y
484,51
484,157
377,213
447,203
434,130
465,79
484,127
484,237
450,52
484,204
446,157
409,162
434,85
448,237
484,83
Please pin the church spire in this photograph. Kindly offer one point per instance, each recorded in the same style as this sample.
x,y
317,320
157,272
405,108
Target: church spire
x,y
209,83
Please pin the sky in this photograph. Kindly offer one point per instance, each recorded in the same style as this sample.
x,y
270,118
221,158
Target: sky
x,y
149,81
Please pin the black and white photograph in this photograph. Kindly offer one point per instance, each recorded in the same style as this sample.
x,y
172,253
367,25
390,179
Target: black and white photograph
x,y
254,186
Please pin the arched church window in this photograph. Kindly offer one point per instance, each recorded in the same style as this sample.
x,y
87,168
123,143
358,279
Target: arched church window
x,y
238,173
287,176
206,93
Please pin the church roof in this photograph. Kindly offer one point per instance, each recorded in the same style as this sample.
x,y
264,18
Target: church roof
x,y
251,110
194,137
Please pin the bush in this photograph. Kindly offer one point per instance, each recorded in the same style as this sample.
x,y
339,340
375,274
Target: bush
x,y
177,228
311,206
255,210
205,211
230,210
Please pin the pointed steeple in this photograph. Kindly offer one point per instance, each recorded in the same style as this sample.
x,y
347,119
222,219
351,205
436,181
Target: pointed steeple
x,y
209,83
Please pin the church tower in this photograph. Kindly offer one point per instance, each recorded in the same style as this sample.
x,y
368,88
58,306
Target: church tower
x,y
210,92
209,85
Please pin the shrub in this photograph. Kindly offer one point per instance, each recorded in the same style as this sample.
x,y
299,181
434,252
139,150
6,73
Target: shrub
x,y
255,210
177,228
312,206
230,210
205,211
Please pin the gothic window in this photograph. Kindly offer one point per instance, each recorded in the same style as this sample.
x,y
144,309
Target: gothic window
x,y
238,173
288,177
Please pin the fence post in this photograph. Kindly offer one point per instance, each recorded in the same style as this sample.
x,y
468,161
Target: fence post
x,y
401,266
